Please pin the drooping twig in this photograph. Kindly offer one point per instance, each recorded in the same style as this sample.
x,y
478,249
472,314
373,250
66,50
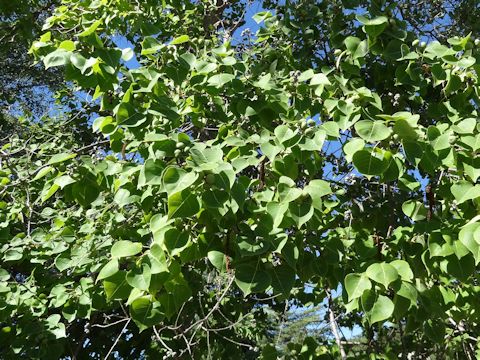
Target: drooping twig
x,y
159,338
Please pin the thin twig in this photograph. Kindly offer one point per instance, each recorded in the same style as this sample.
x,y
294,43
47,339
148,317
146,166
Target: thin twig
x,y
117,339
248,346
159,338
111,324
217,304
103,142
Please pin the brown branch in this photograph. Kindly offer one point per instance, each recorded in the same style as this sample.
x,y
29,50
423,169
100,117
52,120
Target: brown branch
x,y
430,197
261,174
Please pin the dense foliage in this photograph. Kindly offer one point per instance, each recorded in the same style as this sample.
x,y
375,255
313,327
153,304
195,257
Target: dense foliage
x,y
220,174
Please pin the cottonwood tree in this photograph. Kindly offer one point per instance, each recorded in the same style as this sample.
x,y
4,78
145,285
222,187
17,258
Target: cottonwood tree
x,y
227,174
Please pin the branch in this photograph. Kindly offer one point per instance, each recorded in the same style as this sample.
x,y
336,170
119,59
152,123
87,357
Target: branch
x,y
117,339
334,325
159,338
215,307
248,346
103,142
111,324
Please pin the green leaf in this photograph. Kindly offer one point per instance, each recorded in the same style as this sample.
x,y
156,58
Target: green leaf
x,y
470,237
375,21
381,310
286,166
139,278
183,204
204,67
158,261
382,273
63,262
352,146
317,189
464,191
466,126
277,212
283,279
251,246
116,286
175,241
180,40
122,197
252,278
315,143
220,80
270,150
81,63
146,312
357,48
59,57
175,179
369,163
283,133
125,248
438,50
63,181
60,158
91,29
356,284
372,131
415,210
286,190
127,54
300,211
218,259
85,191
110,269
150,46
404,129
42,172
403,269
151,173
50,192
319,79
373,27
438,141
408,291
261,16
265,82
269,352
206,159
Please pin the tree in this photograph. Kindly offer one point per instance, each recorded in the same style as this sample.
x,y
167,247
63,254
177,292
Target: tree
x,y
229,174
24,87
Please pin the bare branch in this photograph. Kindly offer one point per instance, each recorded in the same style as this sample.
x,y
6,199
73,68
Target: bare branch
x,y
334,325
117,339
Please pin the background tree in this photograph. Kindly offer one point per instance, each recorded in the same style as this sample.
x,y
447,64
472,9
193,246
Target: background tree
x,y
24,87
